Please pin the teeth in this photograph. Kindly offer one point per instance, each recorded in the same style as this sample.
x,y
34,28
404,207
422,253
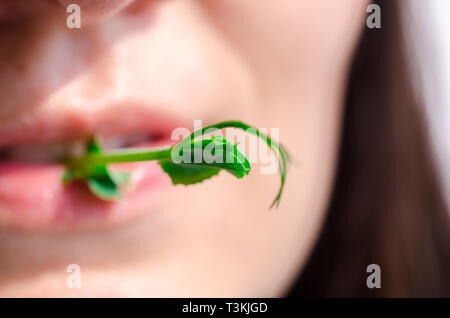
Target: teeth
x,y
115,142
60,151
54,152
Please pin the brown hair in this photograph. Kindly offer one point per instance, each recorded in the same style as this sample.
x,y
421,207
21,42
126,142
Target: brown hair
x,y
387,207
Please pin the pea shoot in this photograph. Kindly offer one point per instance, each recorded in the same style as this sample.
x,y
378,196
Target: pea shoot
x,y
189,161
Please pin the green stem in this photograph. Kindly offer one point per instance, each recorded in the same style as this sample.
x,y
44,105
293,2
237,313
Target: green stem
x,y
124,155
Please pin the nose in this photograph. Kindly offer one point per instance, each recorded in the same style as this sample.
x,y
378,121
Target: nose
x,y
93,10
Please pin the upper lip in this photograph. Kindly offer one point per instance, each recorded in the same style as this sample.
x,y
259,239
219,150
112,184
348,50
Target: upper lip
x,y
118,119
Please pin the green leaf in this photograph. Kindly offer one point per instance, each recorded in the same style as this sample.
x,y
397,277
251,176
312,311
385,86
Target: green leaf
x,y
103,183
93,146
276,148
120,177
198,160
182,174
104,188
214,152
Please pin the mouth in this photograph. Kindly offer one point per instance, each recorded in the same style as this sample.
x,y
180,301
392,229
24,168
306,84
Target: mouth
x,y
32,194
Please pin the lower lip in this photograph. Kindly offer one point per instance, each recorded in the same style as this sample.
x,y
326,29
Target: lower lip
x,y
33,197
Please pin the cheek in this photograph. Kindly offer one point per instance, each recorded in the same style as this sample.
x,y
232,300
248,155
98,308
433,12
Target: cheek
x,y
292,34
325,25
322,31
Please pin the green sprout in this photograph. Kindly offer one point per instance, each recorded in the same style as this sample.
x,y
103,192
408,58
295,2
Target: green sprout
x,y
189,161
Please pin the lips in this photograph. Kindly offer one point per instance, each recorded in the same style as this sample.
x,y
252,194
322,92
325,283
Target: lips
x,y
32,195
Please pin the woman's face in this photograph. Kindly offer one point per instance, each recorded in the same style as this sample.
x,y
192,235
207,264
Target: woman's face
x,y
140,69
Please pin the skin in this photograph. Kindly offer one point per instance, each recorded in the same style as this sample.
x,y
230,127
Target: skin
x,y
275,64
